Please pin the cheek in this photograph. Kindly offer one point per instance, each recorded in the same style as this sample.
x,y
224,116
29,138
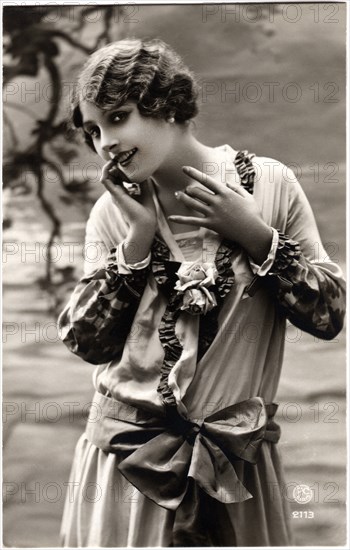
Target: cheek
x,y
157,142
155,132
102,154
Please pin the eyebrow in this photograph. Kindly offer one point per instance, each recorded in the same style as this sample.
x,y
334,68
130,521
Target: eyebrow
x,y
125,105
88,123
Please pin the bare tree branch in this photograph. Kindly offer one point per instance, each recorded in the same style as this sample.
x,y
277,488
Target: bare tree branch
x,y
8,122
21,108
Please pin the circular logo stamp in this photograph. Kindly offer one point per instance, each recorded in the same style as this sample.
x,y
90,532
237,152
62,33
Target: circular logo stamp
x,y
302,494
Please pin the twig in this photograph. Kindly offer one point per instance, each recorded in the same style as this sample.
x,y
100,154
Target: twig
x,y
75,43
58,171
21,108
12,130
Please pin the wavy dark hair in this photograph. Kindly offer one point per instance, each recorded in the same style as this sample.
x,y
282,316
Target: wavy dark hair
x,y
148,72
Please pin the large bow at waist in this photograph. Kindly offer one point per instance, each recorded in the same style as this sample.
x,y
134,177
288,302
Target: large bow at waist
x,y
158,455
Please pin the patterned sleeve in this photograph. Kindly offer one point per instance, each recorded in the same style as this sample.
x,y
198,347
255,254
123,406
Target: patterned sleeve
x,y
308,285
97,319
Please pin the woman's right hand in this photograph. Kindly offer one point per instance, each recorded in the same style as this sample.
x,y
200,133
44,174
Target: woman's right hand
x,y
139,211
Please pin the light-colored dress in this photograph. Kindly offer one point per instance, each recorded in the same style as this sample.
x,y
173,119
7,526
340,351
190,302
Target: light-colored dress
x,y
198,353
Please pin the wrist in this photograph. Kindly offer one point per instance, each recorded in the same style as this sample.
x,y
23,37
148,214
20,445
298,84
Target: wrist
x,y
137,245
257,241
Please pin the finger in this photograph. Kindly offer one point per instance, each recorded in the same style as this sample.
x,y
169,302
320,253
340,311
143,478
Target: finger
x,y
192,203
112,187
118,192
105,170
190,220
206,180
112,172
238,189
200,194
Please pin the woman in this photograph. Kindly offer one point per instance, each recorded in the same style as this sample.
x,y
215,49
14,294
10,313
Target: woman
x,y
184,313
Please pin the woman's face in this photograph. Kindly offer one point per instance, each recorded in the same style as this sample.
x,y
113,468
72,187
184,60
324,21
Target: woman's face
x,y
139,144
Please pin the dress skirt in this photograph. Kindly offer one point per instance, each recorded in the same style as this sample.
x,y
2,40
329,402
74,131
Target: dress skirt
x,y
102,509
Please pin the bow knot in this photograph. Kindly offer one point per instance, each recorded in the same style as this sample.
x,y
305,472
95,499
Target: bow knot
x,y
180,425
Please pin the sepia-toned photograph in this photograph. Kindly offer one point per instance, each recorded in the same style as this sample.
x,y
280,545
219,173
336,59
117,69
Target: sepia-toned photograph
x,y
174,275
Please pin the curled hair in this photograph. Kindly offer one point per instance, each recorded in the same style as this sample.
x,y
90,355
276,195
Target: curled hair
x,y
148,72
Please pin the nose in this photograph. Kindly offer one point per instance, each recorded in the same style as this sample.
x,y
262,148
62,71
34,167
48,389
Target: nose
x,y
109,147
109,144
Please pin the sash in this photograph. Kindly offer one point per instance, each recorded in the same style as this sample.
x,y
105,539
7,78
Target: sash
x,y
159,455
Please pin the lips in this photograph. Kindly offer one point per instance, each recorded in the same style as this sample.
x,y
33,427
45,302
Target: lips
x,y
125,157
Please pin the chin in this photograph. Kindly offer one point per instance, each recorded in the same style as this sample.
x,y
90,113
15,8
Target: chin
x,y
138,177
132,174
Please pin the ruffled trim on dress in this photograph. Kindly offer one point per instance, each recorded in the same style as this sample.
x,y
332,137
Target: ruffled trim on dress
x,y
167,335
246,170
208,327
172,347
164,272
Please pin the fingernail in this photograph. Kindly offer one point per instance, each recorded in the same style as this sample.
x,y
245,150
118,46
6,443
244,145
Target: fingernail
x,y
186,168
177,194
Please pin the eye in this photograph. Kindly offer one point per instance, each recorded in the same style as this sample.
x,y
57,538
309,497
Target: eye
x,y
119,116
94,132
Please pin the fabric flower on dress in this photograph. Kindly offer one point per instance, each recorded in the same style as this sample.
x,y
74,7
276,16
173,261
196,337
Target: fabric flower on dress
x,y
165,274
194,284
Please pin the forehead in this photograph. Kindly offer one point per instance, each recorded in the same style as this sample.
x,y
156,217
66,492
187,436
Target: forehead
x,y
92,112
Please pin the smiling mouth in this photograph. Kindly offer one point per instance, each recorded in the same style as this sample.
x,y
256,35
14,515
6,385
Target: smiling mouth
x,y
124,158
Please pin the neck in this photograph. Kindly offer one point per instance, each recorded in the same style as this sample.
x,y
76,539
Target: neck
x,y
187,151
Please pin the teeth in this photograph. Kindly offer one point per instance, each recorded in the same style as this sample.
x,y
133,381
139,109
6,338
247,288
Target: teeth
x,y
126,156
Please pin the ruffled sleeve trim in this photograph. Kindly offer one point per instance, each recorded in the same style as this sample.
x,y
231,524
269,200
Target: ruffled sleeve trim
x,y
287,255
116,256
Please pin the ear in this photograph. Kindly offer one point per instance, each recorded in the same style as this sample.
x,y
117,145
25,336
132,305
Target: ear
x,y
77,120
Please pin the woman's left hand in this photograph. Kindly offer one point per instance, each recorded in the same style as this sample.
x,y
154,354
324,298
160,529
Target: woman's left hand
x,y
229,210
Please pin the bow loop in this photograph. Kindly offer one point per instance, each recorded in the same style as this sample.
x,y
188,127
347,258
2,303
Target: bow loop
x,y
214,473
159,469
239,429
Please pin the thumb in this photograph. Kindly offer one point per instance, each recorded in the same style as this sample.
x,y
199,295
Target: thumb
x,y
105,171
118,192
111,172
